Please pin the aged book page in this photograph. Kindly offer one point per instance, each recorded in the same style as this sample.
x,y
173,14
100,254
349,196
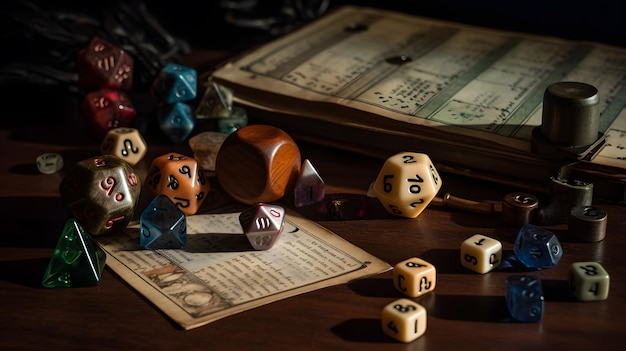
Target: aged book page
x,y
408,81
218,274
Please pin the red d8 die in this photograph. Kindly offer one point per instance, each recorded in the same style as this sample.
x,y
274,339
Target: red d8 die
x,y
101,193
180,178
104,65
106,109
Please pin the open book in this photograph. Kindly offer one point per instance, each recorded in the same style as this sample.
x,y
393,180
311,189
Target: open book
x,y
380,82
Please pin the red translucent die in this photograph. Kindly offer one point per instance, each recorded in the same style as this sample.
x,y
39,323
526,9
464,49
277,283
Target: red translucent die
x,y
101,193
104,65
106,109
180,178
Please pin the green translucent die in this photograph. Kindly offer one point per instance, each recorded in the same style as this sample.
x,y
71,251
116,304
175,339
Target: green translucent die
x,y
77,261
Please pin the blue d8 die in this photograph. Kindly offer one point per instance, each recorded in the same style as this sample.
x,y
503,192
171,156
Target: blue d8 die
x,y
163,225
175,83
176,121
524,298
537,247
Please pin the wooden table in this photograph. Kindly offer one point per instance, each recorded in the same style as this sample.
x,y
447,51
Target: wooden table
x,y
466,311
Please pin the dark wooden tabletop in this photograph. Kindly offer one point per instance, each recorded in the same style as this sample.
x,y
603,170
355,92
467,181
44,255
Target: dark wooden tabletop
x,y
466,311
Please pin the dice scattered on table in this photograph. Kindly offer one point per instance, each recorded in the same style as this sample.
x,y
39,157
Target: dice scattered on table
x,y
407,183
162,225
404,320
173,88
175,83
262,224
537,247
124,143
414,277
104,65
181,178
49,163
309,188
101,193
176,121
216,102
588,281
258,163
237,119
105,109
77,261
524,298
481,253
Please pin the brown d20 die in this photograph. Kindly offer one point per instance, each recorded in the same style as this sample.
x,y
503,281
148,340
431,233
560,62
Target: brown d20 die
x,y
101,193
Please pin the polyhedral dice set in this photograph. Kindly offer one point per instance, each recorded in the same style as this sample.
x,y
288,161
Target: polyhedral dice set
x,y
408,182
258,165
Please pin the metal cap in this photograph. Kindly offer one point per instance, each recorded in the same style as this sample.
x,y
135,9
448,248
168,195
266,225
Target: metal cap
x,y
571,114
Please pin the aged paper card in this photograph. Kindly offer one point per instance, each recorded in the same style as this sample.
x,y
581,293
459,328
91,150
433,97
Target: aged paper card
x,y
218,274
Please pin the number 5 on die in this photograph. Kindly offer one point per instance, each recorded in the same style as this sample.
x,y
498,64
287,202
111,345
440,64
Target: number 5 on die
x,y
404,320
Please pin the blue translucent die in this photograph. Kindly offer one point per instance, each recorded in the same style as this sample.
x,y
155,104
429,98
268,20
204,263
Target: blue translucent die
x,y
175,83
537,247
163,225
524,298
77,261
176,121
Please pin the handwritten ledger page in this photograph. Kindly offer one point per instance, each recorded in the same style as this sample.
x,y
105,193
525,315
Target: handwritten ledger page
x,y
372,68
218,274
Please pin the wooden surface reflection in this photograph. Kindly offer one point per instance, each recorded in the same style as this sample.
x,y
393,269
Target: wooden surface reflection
x,y
466,311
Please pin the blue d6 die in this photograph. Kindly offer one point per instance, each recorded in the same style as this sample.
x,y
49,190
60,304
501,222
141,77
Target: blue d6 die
x,y
537,247
163,225
175,83
524,298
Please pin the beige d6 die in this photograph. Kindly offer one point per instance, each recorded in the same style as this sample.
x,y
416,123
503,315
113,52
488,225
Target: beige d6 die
x,y
49,163
588,281
481,253
407,183
414,277
404,320
125,143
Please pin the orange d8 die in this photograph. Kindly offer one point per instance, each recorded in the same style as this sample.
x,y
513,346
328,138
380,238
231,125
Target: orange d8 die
x,y
180,178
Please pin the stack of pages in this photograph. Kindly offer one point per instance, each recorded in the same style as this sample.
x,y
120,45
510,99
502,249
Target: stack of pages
x,y
380,82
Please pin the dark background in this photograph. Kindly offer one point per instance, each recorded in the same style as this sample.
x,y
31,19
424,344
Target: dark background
x,y
41,39
602,20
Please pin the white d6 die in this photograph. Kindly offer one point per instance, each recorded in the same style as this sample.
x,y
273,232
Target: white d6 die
x,y
481,253
407,183
404,320
588,281
414,277
49,163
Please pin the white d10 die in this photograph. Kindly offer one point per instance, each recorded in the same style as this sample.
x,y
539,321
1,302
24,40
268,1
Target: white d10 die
x,y
481,253
407,183
125,143
588,281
